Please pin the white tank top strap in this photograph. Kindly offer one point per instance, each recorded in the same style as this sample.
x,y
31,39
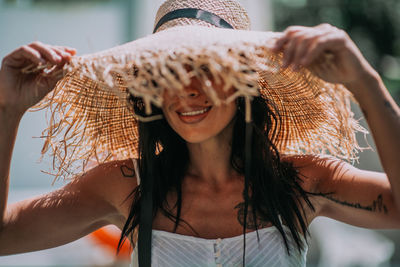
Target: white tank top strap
x,y
135,165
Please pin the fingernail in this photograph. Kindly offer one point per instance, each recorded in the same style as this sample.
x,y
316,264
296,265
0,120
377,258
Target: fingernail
x,y
70,49
66,55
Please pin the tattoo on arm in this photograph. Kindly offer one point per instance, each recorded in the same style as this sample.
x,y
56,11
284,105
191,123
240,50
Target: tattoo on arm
x,y
250,220
127,172
377,205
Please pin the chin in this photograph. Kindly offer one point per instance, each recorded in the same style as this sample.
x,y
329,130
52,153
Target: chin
x,y
195,138
206,132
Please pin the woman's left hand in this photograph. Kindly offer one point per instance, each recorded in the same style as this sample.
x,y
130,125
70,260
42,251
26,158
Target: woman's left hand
x,y
328,52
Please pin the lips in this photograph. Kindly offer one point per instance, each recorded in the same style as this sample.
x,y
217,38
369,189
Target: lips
x,y
194,115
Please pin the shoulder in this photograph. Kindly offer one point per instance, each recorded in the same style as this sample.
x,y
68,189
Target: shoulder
x,y
110,183
316,173
314,170
113,174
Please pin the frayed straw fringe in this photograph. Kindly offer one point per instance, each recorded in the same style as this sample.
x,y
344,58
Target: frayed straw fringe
x,y
91,118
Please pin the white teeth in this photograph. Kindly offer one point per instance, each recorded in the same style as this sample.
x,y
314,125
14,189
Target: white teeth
x,y
192,113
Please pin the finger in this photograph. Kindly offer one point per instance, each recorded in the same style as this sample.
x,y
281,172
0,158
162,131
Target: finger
x,y
70,50
321,45
300,51
46,52
64,55
306,45
289,52
280,43
19,57
286,36
27,52
295,28
306,59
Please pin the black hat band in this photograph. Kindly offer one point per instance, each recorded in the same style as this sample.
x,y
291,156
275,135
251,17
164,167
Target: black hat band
x,y
194,13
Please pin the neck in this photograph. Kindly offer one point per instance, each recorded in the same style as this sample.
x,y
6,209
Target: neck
x,y
210,159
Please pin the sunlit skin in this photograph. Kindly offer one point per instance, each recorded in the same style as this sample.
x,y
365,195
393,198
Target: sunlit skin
x,y
361,198
208,140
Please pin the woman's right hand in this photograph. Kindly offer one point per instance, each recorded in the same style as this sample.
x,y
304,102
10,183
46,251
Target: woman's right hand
x,y
20,90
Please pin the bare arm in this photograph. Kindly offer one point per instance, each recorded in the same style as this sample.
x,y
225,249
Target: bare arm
x,y
7,139
347,194
383,117
362,198
365,198
18,92
66,214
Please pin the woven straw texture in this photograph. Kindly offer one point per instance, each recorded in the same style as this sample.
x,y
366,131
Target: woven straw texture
x,y
90,117
229,10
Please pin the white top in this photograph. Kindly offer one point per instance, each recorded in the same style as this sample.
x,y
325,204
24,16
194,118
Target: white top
x,y
176,250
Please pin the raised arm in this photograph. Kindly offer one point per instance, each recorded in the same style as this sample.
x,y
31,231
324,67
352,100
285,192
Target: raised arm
x,y
361,198
66,214
18,92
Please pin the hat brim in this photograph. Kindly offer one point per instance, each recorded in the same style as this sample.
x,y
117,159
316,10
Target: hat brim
x,y
91,116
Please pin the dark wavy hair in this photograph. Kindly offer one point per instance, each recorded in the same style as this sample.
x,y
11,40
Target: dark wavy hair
x,y
274,185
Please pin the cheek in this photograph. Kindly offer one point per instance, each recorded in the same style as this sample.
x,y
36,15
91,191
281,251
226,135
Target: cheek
x,y
174,121
219,120
228,112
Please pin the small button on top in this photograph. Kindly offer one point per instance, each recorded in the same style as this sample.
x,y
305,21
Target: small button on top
x,y
219,265
219,240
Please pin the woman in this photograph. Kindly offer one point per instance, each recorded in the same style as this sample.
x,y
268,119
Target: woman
x,y
210,191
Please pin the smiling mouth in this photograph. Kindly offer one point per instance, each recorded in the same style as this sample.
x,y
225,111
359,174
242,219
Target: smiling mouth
x,y
194,116
193,113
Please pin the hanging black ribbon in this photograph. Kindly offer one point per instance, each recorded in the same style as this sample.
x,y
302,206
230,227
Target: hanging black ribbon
x,y
247,173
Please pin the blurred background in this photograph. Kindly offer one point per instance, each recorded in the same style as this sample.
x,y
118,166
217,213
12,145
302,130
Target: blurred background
x,y
94,25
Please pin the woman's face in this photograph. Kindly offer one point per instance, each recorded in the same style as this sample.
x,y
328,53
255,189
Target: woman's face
x,y
193,116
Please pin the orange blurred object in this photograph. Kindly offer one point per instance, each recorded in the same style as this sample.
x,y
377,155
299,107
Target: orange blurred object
x,y
108,239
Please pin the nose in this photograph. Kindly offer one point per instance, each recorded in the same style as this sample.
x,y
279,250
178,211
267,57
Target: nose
x,y
188,92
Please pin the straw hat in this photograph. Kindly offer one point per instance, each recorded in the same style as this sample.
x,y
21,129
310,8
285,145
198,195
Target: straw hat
x,y
91,116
